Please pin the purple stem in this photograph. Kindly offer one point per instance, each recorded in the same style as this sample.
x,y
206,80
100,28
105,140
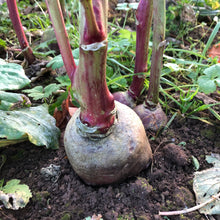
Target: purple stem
x,y
15,18
94,28
159,23
88,81
144,20
97,103
61,36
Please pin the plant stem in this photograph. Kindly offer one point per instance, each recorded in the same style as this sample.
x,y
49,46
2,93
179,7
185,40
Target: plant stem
x,y
159,22
62,5
62,37
88,79
144,20
15,18
95,23
97,103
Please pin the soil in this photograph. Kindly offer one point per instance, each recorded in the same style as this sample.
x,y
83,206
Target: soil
x,y
166,185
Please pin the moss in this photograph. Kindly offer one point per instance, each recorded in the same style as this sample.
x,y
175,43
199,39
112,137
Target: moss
x,y
208,133
144,184
169,206
41,196
193,141
183,197
142,217
66,216
126,217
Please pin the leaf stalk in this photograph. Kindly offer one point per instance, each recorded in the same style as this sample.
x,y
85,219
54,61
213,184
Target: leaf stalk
x,y
159,23
16,21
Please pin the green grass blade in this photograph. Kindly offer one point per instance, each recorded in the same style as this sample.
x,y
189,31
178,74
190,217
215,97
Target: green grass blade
x,y
210,40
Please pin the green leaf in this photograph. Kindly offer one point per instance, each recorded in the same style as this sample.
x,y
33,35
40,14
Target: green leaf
x,y
64,80
2,44
15,195
195,163
11,101
126,34
50,89
34,123
213,71
57,61
37,92
206,184
206,84
12,76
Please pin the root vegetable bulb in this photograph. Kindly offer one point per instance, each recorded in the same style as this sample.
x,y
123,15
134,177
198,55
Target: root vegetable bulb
x,y
123,153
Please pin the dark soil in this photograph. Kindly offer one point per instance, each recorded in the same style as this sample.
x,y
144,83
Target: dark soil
x,y
166,185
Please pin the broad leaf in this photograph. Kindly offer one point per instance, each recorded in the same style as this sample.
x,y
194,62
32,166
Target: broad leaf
x,y
36,93
39,92
64,80
11,101
206,84
206,184
213,71
12,76
32,123
50,89
57,61
15,195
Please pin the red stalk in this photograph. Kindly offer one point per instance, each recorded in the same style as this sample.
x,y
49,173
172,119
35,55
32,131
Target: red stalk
x,y
88,81
159,22
144,20
15,18
95,26
61,36
97,103
150,112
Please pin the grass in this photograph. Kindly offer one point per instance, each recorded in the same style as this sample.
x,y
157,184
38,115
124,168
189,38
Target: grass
x,y
181,70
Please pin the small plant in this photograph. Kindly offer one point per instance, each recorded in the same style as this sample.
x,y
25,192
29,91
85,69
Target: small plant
x,y
150,112
105,141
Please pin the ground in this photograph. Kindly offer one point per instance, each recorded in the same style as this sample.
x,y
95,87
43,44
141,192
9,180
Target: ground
x,y
166,185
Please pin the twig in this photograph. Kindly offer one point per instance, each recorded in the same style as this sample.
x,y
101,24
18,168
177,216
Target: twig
x,y
216,197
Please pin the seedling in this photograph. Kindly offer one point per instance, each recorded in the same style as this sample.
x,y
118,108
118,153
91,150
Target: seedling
x,y
105,140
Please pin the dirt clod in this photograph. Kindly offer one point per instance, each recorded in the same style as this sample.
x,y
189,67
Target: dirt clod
x,y
175,154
